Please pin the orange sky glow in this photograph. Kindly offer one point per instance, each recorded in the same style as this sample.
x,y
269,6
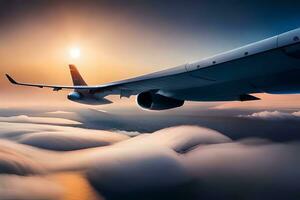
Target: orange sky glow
x,y
112,46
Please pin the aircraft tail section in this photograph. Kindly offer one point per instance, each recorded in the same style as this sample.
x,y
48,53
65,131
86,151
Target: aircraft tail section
x,y
76,77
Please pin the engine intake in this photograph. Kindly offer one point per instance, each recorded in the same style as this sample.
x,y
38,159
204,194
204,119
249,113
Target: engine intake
x,y
153,101
73,96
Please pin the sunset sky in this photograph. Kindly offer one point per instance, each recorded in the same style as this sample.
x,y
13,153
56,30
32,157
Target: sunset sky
x,y
55,149
122,39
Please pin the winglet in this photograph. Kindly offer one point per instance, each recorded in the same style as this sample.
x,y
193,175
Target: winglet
x,y
11,79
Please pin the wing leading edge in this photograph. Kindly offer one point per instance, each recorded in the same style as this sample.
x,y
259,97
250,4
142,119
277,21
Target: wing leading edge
x,y
54,87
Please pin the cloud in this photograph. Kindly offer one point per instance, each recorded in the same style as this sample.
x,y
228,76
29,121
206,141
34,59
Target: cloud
x,y
25,188
163,141
59,112
173,138
98,110
60,138
67,141
21,159
273,115
149,163
129,133
214,167
296,114
10,164
75,186
174,163
246,170
39,120
139,170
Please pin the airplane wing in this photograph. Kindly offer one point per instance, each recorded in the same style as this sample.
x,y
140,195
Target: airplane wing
x,y
271,65
54,87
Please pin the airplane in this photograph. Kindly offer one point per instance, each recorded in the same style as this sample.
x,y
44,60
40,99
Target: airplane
x,y
270,66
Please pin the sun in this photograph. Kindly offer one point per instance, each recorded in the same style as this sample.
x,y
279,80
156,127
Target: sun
x,y
74,52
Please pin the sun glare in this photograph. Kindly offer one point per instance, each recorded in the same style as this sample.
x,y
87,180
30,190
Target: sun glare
x,y
74,52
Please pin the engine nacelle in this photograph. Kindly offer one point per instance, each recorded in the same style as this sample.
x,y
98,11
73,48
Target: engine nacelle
x,y
153,101
293,51
74,96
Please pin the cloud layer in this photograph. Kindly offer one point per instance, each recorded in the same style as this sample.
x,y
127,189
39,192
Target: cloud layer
x,y
178,162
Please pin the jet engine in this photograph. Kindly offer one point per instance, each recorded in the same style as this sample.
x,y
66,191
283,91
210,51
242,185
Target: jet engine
x,y
293,50
73,96
153,101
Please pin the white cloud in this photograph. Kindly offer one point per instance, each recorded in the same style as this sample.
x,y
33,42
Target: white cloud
x,y
297,114
273,115
59,112
40,120
173,138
